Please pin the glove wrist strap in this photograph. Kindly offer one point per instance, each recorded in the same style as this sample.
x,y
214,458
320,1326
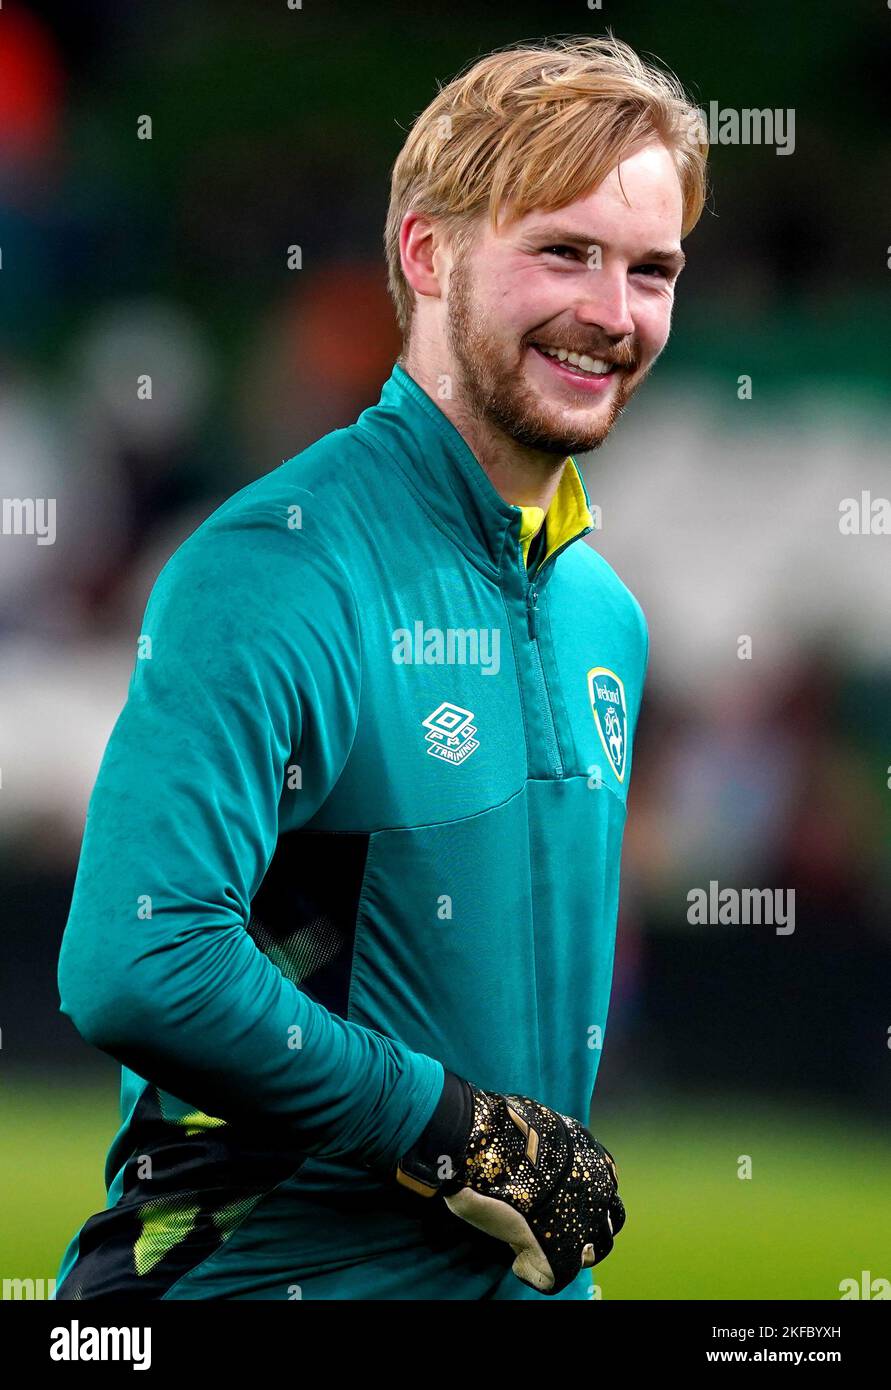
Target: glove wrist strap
x,y
433,1163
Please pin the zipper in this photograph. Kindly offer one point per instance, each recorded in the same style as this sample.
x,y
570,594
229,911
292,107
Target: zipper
x,y
532,622
550,726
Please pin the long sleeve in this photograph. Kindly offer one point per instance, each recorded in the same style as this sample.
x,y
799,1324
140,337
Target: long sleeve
x,y
249,664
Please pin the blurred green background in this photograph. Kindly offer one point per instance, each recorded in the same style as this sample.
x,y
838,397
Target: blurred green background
x,y
814,1212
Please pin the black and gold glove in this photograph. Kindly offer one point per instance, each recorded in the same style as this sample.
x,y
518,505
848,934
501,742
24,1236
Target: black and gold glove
x,y
525,1175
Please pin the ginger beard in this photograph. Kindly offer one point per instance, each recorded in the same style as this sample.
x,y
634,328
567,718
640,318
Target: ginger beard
x,y
495,389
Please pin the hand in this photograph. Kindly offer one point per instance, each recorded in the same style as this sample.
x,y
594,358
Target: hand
x,y
526,1175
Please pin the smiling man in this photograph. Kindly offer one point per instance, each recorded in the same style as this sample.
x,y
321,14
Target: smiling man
x,y
347,897
597,339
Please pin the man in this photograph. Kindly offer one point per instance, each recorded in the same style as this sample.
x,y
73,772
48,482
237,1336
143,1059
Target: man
x,y
346,903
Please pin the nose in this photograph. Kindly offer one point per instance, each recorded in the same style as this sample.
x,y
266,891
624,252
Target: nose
x,y
604,303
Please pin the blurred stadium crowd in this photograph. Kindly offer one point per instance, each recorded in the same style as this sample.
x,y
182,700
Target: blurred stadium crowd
x,y
123,256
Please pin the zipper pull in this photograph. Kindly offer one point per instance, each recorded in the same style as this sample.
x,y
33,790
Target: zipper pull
x,y
532,611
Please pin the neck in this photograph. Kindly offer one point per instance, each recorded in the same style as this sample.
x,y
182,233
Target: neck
x,y
523,477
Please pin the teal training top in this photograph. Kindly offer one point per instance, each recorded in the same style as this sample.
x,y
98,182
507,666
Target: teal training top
x,y
360,818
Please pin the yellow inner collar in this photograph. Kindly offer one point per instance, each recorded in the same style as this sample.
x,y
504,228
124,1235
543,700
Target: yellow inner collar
x,y
567,515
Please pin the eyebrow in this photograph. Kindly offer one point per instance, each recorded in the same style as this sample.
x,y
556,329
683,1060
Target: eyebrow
x,y
672,256
668,257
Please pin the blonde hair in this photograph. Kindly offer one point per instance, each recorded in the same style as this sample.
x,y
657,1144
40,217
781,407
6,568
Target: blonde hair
x,y
537,126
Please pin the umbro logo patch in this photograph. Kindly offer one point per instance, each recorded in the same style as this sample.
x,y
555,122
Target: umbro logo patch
x,y
451,735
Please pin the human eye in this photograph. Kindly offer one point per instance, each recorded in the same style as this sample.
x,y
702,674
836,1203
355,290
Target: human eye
x,y
558,249
654,269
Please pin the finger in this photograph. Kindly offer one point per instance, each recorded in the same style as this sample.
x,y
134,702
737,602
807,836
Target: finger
x,y
616,1215
612,1162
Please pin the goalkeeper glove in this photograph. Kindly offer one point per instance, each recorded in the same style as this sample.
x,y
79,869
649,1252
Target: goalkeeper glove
x,y
522,1173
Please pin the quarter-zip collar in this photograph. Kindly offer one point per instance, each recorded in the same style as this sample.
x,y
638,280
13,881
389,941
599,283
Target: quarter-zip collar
x,y
444,472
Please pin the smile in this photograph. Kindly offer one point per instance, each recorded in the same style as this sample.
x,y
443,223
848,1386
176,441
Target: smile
x,y
592,366
584,372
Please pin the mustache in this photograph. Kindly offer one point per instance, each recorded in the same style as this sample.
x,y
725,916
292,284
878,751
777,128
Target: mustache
x,y
620,356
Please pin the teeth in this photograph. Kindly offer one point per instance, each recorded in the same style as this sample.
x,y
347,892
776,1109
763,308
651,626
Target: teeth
x,y
595,365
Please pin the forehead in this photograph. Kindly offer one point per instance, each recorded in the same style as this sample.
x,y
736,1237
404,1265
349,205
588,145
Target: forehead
x,y
640,198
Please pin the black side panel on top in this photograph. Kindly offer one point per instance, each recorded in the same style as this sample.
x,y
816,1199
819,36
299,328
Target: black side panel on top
x,y
303,916
189,1182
